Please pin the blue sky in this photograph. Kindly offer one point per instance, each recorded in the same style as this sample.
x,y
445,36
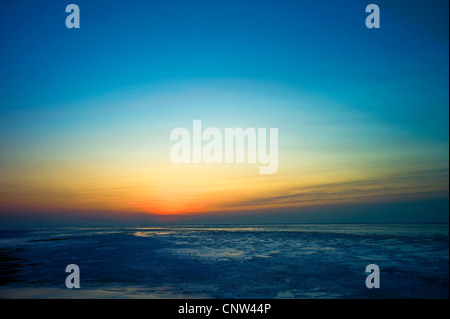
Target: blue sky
x,y
139,68
319,46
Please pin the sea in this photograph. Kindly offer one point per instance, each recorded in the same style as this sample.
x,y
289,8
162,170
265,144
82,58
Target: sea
x,y
308,261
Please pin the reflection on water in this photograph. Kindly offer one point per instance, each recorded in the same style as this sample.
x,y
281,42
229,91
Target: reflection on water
x,y
225,261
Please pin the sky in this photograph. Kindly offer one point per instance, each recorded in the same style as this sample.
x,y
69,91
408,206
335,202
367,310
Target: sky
x,y
86,114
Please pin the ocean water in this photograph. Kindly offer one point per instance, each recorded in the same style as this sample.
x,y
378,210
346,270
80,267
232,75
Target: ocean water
x,y
226,261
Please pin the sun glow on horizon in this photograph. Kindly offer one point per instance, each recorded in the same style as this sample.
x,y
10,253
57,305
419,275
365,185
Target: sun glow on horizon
x,y
361,115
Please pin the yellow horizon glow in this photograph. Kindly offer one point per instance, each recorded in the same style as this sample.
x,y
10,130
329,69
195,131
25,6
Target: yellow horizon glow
x,y
327,155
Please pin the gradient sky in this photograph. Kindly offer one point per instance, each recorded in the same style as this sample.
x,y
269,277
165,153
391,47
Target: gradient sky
x,y
86,114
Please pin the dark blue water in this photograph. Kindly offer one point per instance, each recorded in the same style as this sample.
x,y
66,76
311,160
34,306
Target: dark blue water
x,y
289,261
